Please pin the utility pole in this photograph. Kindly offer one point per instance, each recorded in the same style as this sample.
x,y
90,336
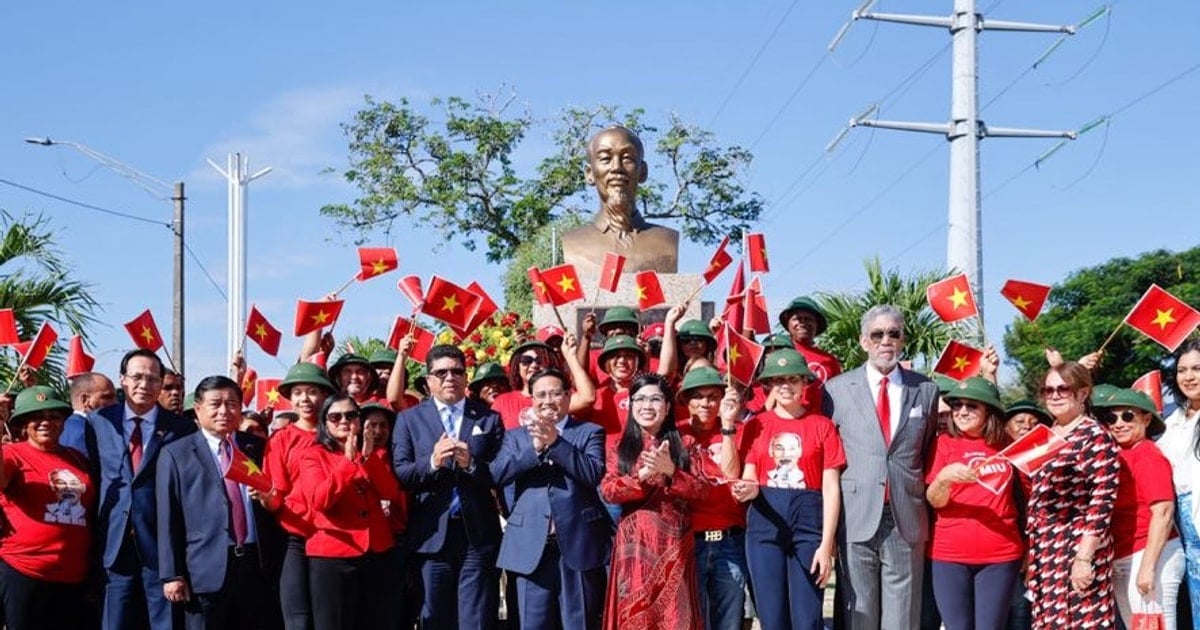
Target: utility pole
x,y
964,241
177,227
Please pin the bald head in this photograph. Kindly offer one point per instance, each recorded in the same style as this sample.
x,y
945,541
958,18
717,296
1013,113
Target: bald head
x,y
619,131
91,391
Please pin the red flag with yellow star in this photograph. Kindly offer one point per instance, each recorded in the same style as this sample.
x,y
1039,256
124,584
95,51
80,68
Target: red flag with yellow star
x,y
8,327
266,394
610,272
1150,384
78,360
756,251
540,292
741,355
376,261
144,332
424,339
487,308
1163,317
735,303
959,361
39,348
951,298
249,381
243,470
649,289
1028,297
755,315
312,316
262,332
450,303
719,261
562,284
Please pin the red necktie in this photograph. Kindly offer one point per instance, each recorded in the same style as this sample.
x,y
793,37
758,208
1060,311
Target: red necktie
x,y
135,444
883,408
237,511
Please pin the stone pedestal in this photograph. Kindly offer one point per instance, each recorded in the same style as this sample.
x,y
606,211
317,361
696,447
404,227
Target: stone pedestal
x,y
676,287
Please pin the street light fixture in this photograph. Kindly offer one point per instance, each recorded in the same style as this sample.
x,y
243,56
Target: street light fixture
x,y
160,190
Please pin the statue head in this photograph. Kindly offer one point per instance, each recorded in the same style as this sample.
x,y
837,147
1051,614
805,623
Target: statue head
x,y
615,166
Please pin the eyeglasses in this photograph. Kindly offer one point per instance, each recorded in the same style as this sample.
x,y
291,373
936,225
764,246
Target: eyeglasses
x,y
892,333
529,359
149,379
445,373
338,416
554,394
654,400
1110,417
959,403
1057,391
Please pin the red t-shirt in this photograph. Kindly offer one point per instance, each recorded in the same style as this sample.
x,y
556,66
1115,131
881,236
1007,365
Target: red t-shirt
x,y
46,505
611,409
793,453
718,509
1145,478
824,366
396,509
281,464
510,405
979,524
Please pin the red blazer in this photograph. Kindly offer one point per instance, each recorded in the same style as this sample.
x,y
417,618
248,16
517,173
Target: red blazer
x,y
344,498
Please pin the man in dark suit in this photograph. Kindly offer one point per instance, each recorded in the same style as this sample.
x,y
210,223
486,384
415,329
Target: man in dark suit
x,y
886,416
559,535
89,391
214,567
123,442
442,453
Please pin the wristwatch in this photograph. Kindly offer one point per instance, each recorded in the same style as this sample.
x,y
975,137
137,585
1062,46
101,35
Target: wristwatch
x,y
732,431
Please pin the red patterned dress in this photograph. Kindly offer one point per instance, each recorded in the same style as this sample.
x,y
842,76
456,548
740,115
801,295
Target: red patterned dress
x,y
1073,495
652,585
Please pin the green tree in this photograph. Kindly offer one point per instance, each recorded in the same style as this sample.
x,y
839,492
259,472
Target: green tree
x,y
459,177
1086,307
926,335
35,281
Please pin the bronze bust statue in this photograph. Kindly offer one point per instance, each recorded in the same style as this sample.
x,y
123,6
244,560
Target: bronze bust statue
x,y
615,166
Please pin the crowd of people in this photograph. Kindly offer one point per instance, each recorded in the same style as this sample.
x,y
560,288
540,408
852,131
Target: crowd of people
x,y
632,485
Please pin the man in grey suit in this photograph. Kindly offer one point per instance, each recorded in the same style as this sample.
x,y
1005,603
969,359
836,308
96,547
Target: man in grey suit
x,y
887,417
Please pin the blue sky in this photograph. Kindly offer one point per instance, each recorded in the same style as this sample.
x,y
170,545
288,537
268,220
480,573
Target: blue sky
x,y
163,86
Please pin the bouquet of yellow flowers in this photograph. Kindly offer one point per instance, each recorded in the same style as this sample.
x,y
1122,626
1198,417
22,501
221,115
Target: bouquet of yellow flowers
x,y
493,341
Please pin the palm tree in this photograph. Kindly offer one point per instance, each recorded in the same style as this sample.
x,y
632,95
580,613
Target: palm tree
x,y
35,282
925,334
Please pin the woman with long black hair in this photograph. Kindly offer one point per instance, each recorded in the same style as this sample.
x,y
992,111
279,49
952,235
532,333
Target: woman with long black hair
x,y
1181,444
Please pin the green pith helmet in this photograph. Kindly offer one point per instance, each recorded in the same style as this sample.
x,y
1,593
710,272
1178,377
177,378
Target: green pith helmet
x,y
385,358
1101,392
38,398
366,408
944,383
785,362
306,373
977,389
488,371
804,303
530,344
1133,398
703,376
350,358
620,342
778,341
1028,406
620,315
697,329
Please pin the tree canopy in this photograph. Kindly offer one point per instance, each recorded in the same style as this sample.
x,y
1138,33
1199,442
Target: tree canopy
x,y
454,167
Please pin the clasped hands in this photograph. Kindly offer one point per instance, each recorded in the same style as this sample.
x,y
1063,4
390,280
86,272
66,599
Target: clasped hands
x,y
448,451
656,461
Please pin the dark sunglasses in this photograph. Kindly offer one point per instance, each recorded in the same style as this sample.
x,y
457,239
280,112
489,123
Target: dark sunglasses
x,y
338,416
958,403
1110,418
528,359
1061,390
877,335
445,373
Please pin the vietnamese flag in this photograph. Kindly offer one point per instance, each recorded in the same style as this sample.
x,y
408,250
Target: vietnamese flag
x,y
8,327
562,284
144,332
249,380
719,261
487,308
540,292
610,273
735,303
1163,317
1150,384
756,317
266,393
312,316
741,356
951,298
411,287
1028,297
39,348
649,290
756,250
262,332
376,261
424,339
959,361
78,360
243,470
1034,449
450,303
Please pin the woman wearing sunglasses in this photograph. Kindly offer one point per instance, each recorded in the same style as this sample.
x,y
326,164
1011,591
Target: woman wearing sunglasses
x,y
976,546
345,487
1070,512
1149,557
528,359
1181,444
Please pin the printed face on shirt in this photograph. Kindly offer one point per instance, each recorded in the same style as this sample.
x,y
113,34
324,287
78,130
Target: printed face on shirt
x,y
219,411
307,399
785,452
68,491
1187,375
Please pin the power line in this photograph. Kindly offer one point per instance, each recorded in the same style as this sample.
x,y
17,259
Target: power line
x,y
753,62
208,275
86,206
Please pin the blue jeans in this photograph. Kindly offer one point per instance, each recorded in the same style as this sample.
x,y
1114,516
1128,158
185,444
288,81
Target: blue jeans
x,y
974,596
1191,550
721,576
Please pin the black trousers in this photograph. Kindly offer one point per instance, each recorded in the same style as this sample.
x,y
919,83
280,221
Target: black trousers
x,y
293,586
239,603
32,604
353,593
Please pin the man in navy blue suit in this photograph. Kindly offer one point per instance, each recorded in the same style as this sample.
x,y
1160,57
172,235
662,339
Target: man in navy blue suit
x,y
89,391
442,453
123,442
214,567
559,535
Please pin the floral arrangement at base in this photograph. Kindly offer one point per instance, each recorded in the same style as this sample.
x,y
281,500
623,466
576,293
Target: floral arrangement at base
x,y
493,341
